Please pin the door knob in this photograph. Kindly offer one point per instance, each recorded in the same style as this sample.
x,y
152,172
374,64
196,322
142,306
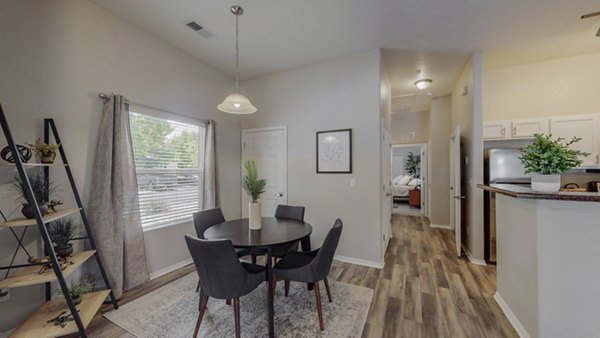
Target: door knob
x,y
460,197
278,194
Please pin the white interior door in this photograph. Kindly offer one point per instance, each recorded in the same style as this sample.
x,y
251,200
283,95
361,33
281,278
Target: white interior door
x,y
386,189
268,148
455,189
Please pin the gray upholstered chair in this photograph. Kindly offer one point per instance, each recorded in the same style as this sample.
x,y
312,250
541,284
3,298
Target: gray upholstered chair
x,y
205,219
222,275
311,267
278,251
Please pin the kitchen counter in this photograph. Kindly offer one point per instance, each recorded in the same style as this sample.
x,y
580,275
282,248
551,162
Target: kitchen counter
x,y
524,191
548,281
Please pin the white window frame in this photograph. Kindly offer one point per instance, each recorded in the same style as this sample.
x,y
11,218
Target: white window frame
x,y
160,114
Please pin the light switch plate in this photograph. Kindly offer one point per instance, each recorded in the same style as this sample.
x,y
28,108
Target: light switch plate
x,y
353,182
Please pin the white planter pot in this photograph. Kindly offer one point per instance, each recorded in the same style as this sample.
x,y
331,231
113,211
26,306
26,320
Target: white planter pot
x,y
545,183
254,216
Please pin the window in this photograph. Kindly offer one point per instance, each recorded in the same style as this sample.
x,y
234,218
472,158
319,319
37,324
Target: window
x,y
169,160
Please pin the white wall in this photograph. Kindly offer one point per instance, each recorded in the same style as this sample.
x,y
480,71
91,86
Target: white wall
x,y
556,87
403,123
56,57
439,179
467,112
341,93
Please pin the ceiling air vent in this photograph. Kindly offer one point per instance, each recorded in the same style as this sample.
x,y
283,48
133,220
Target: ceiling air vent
x,y
196,27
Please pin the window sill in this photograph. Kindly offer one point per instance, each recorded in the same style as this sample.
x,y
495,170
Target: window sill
x,y
168,225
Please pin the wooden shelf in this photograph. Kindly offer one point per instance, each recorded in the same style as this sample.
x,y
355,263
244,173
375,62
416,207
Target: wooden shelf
x,y
8,164
37,326
31,276
52,216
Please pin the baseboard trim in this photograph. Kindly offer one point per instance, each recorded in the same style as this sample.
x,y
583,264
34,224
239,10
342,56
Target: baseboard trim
x,y
363,262
441,226
170,268
511,316
472,259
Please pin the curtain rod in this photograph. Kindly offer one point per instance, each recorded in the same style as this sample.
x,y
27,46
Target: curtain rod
x,y
105,97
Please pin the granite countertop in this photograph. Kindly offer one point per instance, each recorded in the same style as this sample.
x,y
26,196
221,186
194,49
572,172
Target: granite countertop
x,y
523,191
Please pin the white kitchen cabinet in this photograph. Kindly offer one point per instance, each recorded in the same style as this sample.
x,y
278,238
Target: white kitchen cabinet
x,y
584,126
496,130
525,129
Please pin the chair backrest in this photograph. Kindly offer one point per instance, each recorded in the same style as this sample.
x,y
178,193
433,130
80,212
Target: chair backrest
x,y
207,218
221,273
290,212
321,265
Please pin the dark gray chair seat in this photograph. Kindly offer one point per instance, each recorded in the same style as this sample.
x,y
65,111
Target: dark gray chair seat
x,y
205,219
222,275
311,267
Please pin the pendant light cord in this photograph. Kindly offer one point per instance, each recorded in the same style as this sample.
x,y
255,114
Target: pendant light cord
x,y
237,55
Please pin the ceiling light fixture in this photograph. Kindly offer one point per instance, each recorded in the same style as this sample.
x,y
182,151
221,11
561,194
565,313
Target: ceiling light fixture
x,y
591,15
423,83
237,103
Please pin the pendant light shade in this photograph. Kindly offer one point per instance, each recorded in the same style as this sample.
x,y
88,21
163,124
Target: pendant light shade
x,y
237,103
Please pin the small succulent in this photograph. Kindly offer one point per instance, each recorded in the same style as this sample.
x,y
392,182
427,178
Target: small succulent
x,y
40,187
79,288
62,231
42,148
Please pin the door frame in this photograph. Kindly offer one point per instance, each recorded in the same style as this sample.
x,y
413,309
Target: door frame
x,y
244,132
424,172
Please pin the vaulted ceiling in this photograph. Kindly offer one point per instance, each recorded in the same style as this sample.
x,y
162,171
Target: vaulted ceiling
x,y
436,36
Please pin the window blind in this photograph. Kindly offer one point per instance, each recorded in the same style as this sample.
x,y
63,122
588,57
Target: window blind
x,y
169,160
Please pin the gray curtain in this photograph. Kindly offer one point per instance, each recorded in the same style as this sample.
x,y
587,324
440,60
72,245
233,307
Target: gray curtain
x,y
210,191
114,211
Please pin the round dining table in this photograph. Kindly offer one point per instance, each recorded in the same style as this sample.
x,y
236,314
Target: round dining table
x,y
274,231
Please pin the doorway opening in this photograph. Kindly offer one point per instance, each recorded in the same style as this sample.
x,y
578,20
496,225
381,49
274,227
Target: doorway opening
x,y
409,181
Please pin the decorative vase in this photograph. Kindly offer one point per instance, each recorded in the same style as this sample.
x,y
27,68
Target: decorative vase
x,y
76,300
545,183
254,216
64,250
48,159
29,211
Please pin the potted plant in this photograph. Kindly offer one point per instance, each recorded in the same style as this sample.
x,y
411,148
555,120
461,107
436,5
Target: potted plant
x,y
413,165
254,186
77,289
61,232
46,151
546,158
41,191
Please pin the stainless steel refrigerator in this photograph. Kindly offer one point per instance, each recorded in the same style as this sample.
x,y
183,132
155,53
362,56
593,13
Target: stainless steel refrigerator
x,y
501,166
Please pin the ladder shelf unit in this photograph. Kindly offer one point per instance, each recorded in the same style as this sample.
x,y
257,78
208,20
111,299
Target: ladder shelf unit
x,y
29,274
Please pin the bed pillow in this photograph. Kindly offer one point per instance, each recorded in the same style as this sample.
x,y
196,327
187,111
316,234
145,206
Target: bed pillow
x,y
397,179
414,182
405,179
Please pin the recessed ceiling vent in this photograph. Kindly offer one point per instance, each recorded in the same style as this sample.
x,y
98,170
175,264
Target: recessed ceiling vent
x,y
196,27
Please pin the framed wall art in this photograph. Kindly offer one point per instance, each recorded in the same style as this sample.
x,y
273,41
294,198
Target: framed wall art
x,y
334,151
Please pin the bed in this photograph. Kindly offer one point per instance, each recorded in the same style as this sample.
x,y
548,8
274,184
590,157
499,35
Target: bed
x,y
402,184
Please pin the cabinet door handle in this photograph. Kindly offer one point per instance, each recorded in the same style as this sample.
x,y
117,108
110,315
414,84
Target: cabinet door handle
x,y
596,159
514,131
503,132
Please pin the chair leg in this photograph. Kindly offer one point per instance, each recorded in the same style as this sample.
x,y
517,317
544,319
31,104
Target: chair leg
x,y
328,290
253,259
228,301
201,298
198,286
287,287
319,309
200,315
274,282
236,310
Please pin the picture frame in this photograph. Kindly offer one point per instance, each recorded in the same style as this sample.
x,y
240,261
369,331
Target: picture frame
x,y
334,151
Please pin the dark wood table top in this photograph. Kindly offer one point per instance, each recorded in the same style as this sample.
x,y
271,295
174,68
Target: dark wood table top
x,y
274,231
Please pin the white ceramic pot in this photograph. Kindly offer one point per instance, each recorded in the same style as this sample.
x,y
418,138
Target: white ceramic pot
x,y
254,216
545,183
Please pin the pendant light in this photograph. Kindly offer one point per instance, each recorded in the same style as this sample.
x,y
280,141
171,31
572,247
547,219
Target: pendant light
x,y
237,103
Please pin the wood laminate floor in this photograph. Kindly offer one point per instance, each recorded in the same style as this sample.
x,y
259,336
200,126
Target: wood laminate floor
x,y
424,290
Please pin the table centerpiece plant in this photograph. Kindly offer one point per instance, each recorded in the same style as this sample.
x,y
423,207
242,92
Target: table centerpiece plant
x,y
254,186
547,158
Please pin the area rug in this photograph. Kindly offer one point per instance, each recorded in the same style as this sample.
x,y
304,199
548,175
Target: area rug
x,y
172,310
